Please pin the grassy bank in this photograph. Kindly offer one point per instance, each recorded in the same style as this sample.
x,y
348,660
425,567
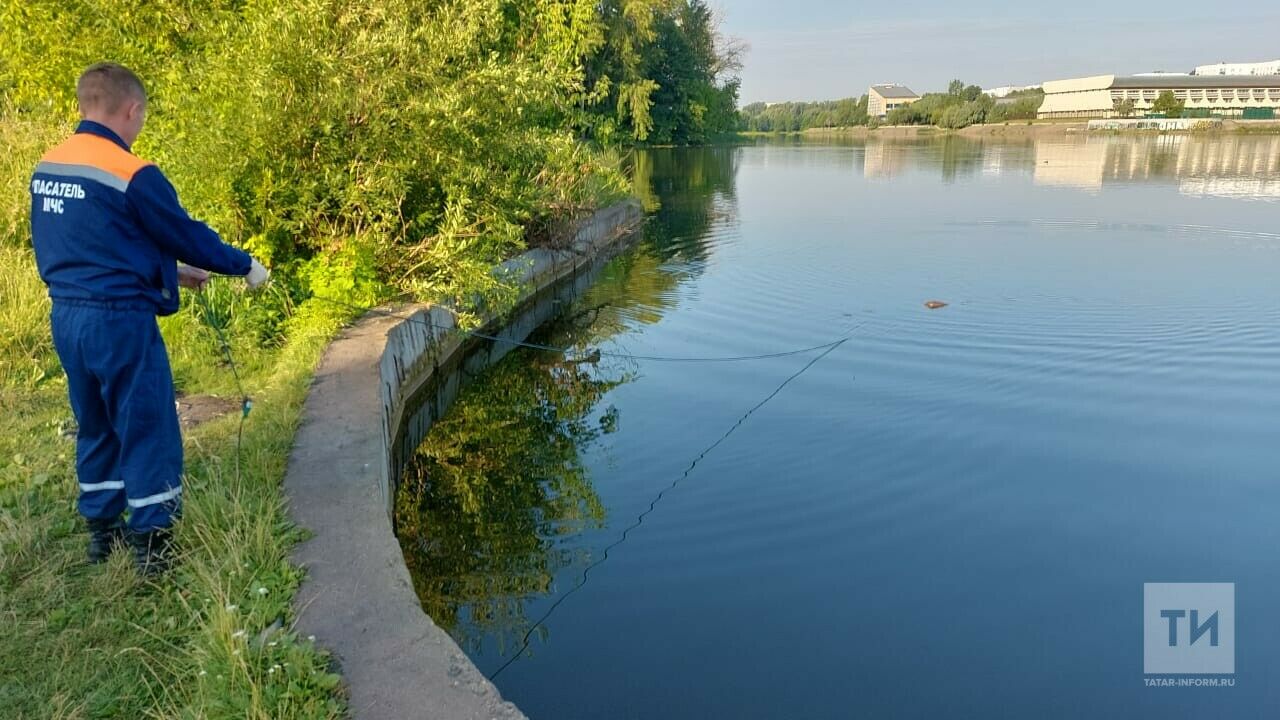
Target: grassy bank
x,y
1253,127
98,642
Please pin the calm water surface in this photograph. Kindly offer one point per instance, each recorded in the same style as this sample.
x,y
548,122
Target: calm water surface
x,y
951,515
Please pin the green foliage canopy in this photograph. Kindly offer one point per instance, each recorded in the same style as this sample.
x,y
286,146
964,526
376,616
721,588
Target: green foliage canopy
x,y
402,143
1168,105
364,147
663,74
1016,106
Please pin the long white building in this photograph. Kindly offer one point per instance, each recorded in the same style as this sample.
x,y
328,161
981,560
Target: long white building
x,y
1259,68
1220,95
1006,90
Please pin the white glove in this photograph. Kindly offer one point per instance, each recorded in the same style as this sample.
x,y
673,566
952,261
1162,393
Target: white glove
x,y
258,276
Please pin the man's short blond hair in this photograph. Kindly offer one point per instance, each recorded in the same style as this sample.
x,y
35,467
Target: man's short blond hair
x,y
106,87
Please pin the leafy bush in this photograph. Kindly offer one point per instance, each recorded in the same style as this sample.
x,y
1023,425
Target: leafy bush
x,y
412,144
964,115
1024,108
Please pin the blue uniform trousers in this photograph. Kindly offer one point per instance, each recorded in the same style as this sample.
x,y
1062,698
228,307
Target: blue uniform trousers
x,y
129,447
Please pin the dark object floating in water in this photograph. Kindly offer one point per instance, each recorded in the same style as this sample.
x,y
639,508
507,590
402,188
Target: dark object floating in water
x,y
935,304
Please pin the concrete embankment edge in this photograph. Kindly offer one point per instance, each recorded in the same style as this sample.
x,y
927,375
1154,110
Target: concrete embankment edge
x,y
358,600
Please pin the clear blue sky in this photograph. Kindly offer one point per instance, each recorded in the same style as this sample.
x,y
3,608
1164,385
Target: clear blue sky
x,y
825,49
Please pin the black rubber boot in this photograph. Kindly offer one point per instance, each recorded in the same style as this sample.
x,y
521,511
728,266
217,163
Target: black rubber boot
x,y
104,536
152,552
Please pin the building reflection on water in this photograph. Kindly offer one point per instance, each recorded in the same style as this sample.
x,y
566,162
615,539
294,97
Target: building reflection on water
x,y
1226,166
1235,166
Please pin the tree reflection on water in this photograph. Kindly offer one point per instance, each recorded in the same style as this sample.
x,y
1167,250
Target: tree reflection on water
x,y
495,483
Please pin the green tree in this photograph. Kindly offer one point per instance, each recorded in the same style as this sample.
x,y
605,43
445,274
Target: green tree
x,y
689,104
909,114
1123,107
1025,107
963,115
1168,105
659,69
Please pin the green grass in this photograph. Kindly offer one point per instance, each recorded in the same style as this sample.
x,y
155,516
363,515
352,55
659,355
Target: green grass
x,y
98,642
1257,127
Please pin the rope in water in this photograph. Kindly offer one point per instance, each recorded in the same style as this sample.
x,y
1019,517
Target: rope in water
x,y
524,643
569,350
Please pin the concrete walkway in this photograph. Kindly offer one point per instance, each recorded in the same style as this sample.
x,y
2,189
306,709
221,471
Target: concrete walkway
x,y
358,599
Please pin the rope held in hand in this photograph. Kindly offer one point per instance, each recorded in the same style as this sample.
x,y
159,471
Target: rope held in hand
x,y
246,404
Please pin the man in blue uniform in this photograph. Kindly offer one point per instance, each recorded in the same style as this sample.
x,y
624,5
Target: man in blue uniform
x,y
108,233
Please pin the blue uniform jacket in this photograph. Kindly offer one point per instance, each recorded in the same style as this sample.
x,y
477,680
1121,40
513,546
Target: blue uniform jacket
x,y
108,229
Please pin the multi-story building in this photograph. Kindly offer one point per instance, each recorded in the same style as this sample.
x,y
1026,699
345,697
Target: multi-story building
x,y
1260,68
1246,96
883,98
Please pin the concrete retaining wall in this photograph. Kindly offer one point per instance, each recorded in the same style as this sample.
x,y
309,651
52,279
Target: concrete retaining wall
x,y
420,366
377,391
1161,124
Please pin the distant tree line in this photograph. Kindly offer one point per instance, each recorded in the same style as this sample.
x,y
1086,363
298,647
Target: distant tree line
x,y
964,105
796,116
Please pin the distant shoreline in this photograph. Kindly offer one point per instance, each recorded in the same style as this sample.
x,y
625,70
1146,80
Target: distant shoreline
x,y
1016,129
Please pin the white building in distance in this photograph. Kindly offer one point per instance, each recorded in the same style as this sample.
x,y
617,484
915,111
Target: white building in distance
x,y
883,98
1244,96
1260,68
